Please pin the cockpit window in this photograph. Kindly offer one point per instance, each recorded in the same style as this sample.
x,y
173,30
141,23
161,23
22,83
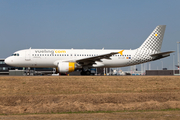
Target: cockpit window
x,y
15,54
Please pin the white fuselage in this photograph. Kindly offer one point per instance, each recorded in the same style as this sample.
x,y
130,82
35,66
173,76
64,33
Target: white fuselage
x,y
50,57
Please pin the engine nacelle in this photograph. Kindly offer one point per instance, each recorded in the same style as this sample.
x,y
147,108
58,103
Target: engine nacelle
x,y
64,67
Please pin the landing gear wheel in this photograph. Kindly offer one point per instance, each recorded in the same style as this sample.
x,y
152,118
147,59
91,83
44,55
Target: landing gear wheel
x,y
86,72
83,73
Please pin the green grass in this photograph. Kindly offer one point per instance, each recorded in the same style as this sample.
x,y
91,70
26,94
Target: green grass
x,y
80,112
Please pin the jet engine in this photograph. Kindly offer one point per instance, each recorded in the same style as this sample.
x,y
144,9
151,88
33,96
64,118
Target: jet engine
x,y
64,67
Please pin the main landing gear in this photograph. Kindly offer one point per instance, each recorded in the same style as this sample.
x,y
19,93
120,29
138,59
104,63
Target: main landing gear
x,y
87,72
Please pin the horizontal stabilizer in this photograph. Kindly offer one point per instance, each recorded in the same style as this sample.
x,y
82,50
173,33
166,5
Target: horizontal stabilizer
x,y
162,54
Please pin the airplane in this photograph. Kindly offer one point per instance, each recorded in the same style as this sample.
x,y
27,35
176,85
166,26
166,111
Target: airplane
x,y
69,60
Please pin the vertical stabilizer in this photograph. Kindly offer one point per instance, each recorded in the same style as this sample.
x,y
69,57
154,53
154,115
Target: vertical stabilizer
x,y
152,45
154,42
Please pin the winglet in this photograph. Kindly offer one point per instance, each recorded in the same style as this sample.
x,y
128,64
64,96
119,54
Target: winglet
x,y
121,52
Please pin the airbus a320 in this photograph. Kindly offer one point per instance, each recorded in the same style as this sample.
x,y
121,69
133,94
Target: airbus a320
x,y
68,60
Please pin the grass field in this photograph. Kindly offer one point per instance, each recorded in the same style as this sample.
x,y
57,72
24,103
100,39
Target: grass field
x,y
90,97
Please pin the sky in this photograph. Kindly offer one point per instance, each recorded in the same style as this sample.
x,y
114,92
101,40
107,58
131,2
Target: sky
x,y
88,24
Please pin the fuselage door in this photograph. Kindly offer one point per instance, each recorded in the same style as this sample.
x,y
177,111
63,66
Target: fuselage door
x,y
71,54
28,55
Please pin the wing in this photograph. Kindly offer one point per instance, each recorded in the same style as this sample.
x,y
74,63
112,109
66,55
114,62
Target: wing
x,y
92,60
88,61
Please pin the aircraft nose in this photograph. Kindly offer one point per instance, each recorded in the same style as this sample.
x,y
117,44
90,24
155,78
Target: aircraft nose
x,y
8,61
